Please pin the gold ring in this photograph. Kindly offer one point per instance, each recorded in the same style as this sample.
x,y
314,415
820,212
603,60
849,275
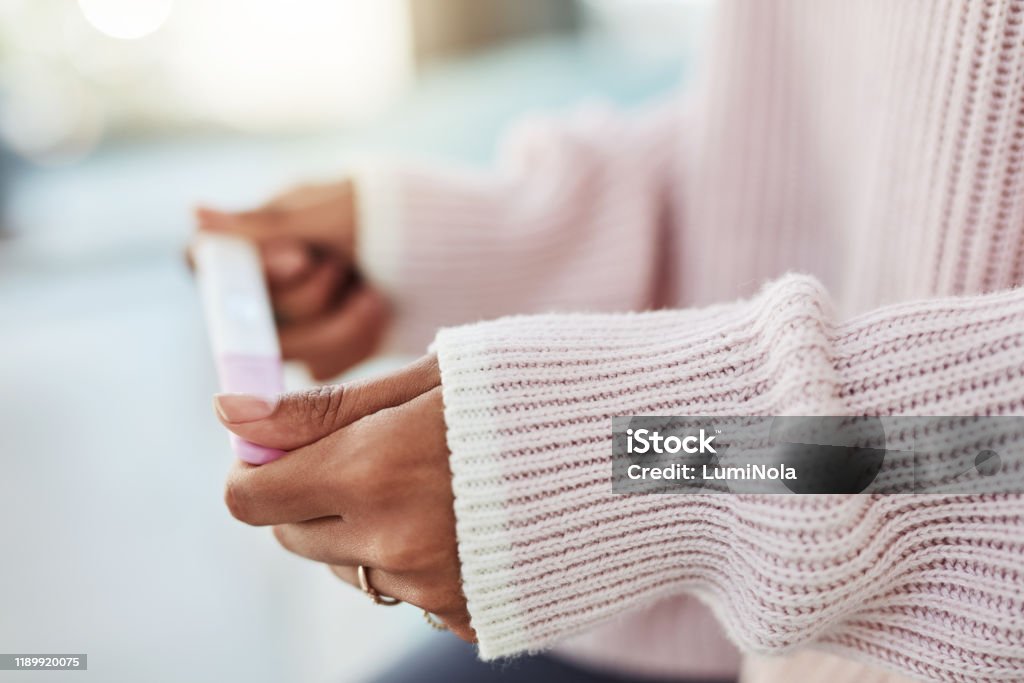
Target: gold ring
x,y
434,622
378,599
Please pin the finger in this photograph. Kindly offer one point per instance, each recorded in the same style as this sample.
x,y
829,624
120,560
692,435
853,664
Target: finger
x,y
311,296
340,339
386,583
459,624
322,222
288,490
258,224
329,540
309,193
299,418
453,615
286,262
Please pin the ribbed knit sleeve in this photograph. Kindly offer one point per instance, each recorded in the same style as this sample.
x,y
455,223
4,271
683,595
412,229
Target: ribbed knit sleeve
x,y
927,585
569,219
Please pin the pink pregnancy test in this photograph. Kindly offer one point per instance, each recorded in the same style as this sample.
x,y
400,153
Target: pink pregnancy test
x,y
240,323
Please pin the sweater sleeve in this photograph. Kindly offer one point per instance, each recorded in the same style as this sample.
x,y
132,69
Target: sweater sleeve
x,y
542,231
928,585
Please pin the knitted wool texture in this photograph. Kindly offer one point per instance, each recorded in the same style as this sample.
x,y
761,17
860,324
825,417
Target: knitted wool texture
x,y
874,148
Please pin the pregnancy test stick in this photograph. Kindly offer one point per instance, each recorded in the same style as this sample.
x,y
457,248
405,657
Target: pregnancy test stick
x,y
240,323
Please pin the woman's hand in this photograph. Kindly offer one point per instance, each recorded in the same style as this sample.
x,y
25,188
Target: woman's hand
x,y
326,316
365,482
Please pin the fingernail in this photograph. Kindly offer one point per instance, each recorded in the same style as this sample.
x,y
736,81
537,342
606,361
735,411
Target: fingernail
x,y
239,408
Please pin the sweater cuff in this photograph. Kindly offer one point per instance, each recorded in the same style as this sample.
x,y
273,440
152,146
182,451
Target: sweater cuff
x,y
411,243
547,550
378,223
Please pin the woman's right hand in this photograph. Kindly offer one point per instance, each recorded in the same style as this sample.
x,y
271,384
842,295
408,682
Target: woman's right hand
x,y
327,316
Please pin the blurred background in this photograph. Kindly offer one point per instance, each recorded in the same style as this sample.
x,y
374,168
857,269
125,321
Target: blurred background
x,y
118,116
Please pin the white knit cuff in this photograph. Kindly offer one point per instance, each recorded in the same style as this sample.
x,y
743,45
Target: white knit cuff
x,y
481,511
547,550
378,241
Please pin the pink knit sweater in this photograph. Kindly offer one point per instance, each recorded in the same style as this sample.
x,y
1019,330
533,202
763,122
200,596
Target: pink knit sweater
x,y
874,147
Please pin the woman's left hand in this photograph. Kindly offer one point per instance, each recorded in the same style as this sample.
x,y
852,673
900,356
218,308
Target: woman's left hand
x,y
365,482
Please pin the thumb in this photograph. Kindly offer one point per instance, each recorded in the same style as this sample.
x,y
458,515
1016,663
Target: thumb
x,y
299,418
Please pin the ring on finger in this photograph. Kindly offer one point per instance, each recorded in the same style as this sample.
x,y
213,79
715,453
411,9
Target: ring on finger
x,y
378,599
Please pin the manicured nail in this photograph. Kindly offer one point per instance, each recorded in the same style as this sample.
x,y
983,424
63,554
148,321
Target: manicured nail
x,y
239,408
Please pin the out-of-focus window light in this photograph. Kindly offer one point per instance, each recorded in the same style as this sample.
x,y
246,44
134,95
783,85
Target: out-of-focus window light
x,y
71,73
271,64
48,115
126,19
